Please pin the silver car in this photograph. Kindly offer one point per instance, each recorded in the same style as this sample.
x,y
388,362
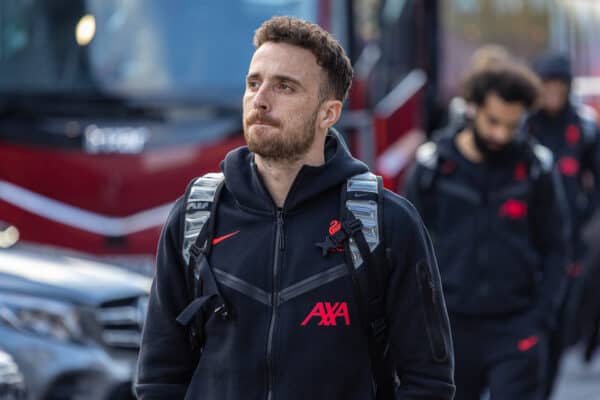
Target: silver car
x,y
12,386
72,325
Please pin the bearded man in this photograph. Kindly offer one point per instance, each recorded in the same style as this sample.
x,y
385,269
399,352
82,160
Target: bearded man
x,y
277,307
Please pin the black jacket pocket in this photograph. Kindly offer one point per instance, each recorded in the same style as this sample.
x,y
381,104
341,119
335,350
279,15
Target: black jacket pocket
x,y
432,302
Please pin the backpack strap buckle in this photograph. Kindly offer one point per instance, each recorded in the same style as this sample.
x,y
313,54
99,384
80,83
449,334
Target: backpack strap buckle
x,y
222,311
347,230
195,251
352,225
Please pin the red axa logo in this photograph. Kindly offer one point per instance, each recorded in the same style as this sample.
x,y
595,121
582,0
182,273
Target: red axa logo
x,y
572,135
528,343
568,166
328,313
513,209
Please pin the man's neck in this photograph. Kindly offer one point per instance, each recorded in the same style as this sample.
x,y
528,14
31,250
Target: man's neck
x,y
278,176
555,115
465,143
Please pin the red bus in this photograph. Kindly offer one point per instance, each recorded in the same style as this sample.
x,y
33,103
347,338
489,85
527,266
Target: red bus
x,y
108,108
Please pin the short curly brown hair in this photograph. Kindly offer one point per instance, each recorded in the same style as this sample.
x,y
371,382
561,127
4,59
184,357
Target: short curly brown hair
x,y
328,51
511,80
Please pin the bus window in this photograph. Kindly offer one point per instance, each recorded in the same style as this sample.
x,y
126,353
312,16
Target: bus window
x,y
391,27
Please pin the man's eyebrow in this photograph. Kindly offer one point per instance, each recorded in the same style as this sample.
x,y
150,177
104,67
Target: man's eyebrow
x,y
281,78
287,78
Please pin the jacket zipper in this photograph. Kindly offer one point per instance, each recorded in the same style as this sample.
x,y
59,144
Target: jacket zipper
x,y
485,200
279,247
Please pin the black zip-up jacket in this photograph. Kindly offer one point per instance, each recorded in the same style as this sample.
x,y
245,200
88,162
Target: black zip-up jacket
x,y
573,138
285,341
498,229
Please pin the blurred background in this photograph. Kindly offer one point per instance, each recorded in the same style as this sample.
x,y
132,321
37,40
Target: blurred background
x,y
108,108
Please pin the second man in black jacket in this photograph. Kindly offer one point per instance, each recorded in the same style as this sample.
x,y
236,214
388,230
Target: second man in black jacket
x,y
493,204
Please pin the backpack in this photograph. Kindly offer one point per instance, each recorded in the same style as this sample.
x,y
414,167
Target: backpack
x,y
361,234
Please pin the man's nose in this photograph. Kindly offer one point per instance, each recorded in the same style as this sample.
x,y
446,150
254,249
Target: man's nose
x,y
261,99
503,135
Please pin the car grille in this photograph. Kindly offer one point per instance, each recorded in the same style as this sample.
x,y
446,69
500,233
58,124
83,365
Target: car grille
x,y
121,322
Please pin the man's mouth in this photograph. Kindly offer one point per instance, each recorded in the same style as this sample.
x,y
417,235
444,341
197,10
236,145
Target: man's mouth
x,y
263,123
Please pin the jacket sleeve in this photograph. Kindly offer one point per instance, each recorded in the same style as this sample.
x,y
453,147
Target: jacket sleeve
x,y
591,164
550,237
166,360
420,338
411,186
418,177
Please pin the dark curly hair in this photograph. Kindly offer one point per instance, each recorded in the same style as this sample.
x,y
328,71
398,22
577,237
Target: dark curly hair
x,y
512,81
328,51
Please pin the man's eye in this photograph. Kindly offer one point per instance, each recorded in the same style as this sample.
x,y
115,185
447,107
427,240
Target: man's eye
x,y
285,87
252,84
493,121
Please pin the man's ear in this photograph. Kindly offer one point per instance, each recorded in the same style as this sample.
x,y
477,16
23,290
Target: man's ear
x,y
329,114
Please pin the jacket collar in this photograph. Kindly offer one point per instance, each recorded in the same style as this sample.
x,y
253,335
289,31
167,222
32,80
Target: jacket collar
x,y
244,181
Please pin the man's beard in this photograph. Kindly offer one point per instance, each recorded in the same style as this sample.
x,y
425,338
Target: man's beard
x,y
284,146
491,154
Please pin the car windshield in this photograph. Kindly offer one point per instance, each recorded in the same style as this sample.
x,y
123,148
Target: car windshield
x,y
198,50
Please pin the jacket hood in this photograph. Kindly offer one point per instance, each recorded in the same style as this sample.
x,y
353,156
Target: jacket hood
x,y
244,182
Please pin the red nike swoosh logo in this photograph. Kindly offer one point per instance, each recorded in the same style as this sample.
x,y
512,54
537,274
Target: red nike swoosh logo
x,y
224,237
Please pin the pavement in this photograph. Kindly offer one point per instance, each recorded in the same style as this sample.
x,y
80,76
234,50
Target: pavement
x,y
578,381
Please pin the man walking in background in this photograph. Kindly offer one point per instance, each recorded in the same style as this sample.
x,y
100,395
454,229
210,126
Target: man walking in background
x,y
492,202
570,132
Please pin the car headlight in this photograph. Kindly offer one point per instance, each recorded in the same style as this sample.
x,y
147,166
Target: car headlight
x,y
10,375
42,317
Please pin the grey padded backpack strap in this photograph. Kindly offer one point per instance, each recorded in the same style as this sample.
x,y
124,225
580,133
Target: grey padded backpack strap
x,y
362,202
588,120
199,201
545,161
428,156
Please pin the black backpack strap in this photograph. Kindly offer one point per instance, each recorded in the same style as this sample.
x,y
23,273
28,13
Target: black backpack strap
x,y
362,199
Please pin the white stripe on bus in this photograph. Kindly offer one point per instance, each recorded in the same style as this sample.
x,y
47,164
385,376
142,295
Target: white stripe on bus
x,y
79,218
